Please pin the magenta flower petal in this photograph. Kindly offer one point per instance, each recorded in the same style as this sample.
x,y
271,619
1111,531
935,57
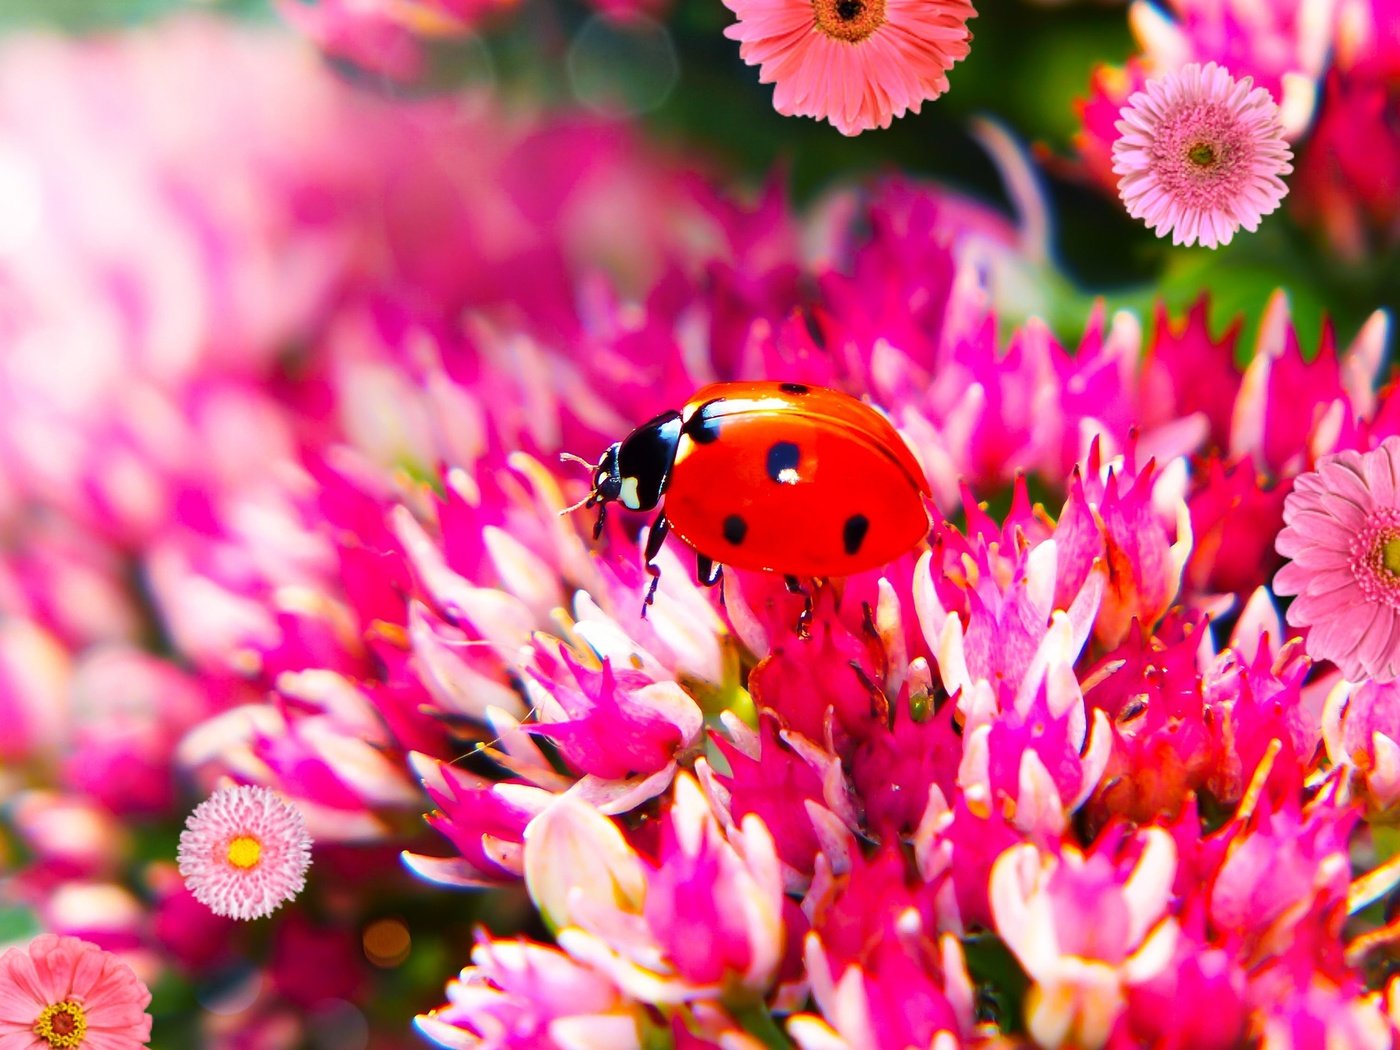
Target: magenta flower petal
x,y
522,996
1361,728
1200,155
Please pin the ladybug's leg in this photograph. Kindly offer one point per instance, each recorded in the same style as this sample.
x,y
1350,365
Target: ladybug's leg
x,y
706,571
804,619
602,517
655,538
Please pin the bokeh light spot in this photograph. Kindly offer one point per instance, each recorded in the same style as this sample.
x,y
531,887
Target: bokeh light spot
x,y
387,942
622,69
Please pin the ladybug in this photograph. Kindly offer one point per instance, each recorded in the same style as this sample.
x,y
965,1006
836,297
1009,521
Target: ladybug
x,y
779,477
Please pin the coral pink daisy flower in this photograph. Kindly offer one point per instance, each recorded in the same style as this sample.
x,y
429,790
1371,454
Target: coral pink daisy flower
x,y
1200,155
1342,532
244,852
855,63
65,992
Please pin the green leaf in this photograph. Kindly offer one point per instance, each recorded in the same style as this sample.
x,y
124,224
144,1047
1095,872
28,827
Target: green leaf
x,y
999,979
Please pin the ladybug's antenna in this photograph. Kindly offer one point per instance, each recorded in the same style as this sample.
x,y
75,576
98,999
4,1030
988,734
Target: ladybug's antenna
x,y
587,501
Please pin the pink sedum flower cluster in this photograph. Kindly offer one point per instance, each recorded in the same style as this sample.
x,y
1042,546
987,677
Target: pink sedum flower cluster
x,y
1059,776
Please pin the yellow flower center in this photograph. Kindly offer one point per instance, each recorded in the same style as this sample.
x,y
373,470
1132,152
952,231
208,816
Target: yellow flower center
x,y
849,20
62,1024
1390,555
244,851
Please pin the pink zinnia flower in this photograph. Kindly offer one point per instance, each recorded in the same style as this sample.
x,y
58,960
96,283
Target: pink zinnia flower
x,y
64,992
244,852
855,63
1342,532
1200,155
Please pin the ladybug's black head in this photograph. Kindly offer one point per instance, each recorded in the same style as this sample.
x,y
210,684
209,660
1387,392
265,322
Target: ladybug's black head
x,y
607,482
635,470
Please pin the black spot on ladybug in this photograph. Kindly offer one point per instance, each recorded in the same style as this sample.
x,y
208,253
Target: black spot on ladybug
x,y
782,462
853,532
703,426
794,388
735,529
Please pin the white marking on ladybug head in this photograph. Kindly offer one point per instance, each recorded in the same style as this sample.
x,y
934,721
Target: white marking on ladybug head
x,y
628,494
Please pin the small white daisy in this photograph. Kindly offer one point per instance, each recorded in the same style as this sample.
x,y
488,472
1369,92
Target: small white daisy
x,y
244,852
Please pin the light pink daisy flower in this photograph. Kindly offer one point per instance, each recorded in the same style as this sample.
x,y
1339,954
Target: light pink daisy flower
x,y
64,992
855,63
1200,155
244,852
1342,532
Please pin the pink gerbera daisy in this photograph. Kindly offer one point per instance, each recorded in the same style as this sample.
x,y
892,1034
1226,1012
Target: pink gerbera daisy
x,y
1200,155
856,63
64,992
1342,532
244,852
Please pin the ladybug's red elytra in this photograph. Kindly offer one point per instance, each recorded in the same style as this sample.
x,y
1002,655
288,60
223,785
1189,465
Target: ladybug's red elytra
x,y
781,477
